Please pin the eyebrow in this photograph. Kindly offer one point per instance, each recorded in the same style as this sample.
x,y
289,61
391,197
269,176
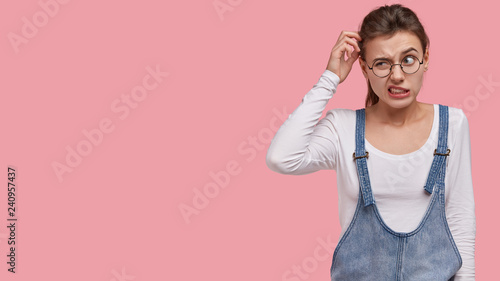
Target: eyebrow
x,y
403,52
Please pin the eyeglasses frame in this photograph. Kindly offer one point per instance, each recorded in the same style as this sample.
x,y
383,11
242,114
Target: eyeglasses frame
x,y
400,64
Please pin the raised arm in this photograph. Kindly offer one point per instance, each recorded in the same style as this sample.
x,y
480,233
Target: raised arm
x,y
303,144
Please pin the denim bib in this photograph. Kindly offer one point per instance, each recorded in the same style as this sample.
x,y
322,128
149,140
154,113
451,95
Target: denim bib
x,y
370,250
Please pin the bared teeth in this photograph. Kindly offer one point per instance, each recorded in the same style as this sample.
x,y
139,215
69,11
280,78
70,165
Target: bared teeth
x,y
397,91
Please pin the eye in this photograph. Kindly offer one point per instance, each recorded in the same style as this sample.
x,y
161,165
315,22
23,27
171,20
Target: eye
x,y
409,60
381,63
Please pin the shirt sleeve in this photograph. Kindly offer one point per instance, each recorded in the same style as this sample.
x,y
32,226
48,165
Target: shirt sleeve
x,y
303,144
460,206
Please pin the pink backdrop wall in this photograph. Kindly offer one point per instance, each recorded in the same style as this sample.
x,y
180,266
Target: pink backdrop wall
x,y
117,114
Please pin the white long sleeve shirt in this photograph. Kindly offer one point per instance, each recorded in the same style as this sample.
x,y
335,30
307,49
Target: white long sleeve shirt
x,y
303,145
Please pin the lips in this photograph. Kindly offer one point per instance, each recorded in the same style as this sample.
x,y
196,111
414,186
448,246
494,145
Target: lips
x,y
398,92
397,89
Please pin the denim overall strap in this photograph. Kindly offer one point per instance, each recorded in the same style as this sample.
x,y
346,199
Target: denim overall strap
x,y
442,151
360,156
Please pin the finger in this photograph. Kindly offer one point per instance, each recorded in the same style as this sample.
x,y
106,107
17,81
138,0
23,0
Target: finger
x,y
347,51
352,34
354,56
339,50
353,43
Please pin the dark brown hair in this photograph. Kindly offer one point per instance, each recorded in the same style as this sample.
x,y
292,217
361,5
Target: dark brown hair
x,y
386,21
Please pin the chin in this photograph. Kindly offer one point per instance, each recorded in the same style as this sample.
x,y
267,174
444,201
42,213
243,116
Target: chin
x,y
398,103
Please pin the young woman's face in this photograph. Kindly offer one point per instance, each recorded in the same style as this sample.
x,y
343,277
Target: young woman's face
x,y
394,49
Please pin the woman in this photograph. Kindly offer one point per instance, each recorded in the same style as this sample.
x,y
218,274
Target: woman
x,y
406,201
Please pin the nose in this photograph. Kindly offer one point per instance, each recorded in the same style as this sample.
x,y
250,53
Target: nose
x,y
397,72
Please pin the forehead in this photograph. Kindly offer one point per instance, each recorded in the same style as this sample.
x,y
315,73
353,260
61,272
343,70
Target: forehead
x,y
392,47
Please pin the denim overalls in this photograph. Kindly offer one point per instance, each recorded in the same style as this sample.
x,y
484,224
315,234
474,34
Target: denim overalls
x,y
370,250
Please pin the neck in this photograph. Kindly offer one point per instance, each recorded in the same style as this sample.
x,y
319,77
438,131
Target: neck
x,y
384,113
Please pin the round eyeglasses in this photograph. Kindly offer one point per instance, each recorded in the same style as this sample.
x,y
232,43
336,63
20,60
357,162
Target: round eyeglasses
x,y
382,67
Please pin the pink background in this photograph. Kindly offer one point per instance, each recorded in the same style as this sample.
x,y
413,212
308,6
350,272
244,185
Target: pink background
x,y
233,75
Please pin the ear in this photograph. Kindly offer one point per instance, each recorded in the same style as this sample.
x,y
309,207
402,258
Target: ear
x,y
363,67
426,58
